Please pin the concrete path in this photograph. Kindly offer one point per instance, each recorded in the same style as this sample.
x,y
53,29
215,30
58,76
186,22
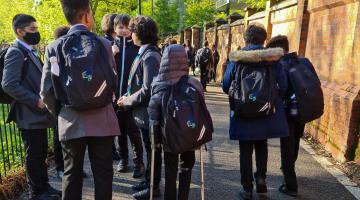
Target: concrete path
x,y
222,168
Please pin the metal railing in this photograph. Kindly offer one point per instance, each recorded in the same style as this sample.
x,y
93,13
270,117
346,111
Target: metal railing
x,y
11,146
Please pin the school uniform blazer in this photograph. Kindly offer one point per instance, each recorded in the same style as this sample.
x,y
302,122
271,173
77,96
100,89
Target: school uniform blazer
x,y
73,124
25,89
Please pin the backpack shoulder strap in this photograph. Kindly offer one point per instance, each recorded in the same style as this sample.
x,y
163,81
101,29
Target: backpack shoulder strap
x,y
26,60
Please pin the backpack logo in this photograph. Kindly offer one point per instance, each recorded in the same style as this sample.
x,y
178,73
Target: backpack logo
x,y
191,124
87,75
252,97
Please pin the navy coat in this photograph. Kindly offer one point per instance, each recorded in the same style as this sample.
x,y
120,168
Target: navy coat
x,y
274,126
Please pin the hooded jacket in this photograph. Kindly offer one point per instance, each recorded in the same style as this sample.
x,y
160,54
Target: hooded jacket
x,y
273,126
124,60
174,65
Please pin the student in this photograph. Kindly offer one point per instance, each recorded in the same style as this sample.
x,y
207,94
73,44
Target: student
x,y
174,65
21,80
126,54
87,121
290,145
107,26
191,55
204,60
216,57
251,131
59,160
145,68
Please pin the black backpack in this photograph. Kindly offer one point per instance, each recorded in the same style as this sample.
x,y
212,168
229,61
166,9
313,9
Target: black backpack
x,y
307,88
253,92
86,78
4,97
204,56
186,122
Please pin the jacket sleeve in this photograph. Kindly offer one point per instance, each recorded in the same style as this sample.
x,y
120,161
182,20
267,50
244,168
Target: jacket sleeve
x,y
46,89
151,65
11,82
282,80
229,76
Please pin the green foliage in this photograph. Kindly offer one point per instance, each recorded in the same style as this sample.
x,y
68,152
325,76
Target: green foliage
x,y
199,12
167,16
257,4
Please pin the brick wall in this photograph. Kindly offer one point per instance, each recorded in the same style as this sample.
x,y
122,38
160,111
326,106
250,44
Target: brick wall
x,y
223,33
328,33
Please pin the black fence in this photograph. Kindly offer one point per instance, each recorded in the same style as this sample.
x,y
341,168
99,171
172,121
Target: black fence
x,y
11,146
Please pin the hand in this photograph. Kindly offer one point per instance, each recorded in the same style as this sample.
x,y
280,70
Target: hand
x,y
115,50
121,101
157,146
40,104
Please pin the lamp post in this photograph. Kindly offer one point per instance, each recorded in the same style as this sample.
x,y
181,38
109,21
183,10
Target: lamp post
x,y
152,8
139,5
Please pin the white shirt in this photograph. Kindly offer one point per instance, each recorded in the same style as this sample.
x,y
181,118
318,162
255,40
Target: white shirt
x,y
24,44
142,48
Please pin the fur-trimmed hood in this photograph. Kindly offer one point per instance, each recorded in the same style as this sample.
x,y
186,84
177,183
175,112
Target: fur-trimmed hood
x,y
255,56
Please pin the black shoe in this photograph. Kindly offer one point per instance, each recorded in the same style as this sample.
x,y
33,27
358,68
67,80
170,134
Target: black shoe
x,y
245,195
261,185
283,189
139,170
122,166
141,186
145,194
45,196
54,192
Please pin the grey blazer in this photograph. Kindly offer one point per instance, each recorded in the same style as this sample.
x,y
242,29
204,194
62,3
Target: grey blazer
x,y
24,110
75,124
141,76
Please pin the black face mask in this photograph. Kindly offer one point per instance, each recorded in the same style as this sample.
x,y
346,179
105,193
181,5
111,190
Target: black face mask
x,y
32,38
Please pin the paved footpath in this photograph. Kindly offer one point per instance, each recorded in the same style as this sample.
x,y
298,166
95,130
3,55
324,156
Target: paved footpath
x,y
222,174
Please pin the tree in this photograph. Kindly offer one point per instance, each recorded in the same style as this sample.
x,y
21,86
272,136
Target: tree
x,y
166,15
199,12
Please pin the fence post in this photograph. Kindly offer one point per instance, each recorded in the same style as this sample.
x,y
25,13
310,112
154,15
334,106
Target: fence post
x,y
302,26
182,37
268,24
196,36
248,13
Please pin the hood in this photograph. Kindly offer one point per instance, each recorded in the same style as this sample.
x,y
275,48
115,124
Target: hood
x,y
174,64
255,56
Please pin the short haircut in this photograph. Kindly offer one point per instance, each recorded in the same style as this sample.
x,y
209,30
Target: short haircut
x,y
21,21
279,41
123,19
74,9
145,29
173,41
255,34
61,31
206,43
107,24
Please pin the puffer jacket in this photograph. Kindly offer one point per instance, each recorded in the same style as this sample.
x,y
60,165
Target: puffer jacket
x,y
273,126
174,65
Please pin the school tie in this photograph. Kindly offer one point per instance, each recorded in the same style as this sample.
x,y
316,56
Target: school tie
x,y
128,91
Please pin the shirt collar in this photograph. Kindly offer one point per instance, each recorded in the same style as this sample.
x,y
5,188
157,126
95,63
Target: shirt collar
x,y
142,48
77,25
24,44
